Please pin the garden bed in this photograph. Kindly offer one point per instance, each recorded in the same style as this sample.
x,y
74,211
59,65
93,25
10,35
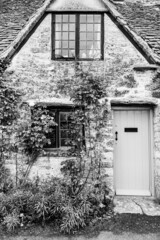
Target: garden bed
x,y
118,224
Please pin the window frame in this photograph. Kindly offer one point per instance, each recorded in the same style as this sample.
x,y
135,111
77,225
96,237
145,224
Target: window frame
x,y
57,111
77,36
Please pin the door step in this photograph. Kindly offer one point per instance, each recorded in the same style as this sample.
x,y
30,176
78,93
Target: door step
x,y
136,205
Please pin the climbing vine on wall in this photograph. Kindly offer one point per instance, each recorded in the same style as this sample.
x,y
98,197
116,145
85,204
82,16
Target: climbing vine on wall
x,y
10,99
87,91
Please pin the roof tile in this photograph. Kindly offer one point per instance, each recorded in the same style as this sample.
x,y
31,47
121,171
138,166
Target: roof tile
x,y
144,20
14,14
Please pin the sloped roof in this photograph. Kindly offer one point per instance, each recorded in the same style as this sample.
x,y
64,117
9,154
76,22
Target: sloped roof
x,y
17,19
144,19
140,22
77,5
13,16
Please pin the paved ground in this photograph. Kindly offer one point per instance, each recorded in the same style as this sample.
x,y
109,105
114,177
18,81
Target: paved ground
x,y
142,205
101,236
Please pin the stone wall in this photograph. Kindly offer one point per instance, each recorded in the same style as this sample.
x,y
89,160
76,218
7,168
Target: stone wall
x,y
33,71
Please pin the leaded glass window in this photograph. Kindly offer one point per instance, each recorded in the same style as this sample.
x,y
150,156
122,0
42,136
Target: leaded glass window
x,y
78,36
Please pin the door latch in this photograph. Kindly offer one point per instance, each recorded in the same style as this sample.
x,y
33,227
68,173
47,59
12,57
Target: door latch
x,y
116,135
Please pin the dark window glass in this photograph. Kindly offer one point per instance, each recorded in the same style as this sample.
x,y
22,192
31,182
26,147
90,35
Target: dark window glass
x,y
64,133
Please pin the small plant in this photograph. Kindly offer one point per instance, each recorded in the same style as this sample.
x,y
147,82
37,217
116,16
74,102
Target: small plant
x,y
42,209
11,221
75,217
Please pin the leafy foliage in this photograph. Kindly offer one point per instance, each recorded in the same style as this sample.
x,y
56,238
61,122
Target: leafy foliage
x,y
10,100
33,136
51,201
11,221
81,196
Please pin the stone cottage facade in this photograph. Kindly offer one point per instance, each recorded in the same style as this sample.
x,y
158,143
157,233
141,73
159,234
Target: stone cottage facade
x,y
130,67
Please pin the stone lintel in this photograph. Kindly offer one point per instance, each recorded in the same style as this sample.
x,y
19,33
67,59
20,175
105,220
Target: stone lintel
x,y
142,68
135,102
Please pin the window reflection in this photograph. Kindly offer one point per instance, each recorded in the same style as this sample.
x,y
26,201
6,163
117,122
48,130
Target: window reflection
x,y
89,26
64,36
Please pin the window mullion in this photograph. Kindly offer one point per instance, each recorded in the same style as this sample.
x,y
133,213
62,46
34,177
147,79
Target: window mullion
x,y
102,36
53,36
57,129
77,36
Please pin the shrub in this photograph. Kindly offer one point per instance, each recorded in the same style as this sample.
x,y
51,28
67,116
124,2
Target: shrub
x,y
11,221
53,202
6,183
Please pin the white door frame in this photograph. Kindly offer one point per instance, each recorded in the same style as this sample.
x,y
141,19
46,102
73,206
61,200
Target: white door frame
x,y
151,162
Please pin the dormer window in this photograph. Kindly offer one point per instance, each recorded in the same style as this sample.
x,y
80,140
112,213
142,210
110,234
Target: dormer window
x,y
77,36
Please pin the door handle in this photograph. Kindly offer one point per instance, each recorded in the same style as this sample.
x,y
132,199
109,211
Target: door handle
x,y
116,135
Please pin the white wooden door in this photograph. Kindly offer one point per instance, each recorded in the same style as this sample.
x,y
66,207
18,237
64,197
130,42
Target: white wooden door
x,y
132,152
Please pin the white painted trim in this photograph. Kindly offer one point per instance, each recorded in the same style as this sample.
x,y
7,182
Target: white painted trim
x,y
130,108
133,192
114,165
151,161
152,164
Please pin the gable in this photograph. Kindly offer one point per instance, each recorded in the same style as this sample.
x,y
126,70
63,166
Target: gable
x,y
18,28
39,73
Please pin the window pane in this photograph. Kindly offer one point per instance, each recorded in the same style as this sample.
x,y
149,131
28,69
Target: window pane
x,y
58,27
72,44
72,27
97,18
65,44
64,125
64,133
97,45
65,18
89,27
89,36
72,35
58,53
83,18
83,45
83,28
58,35
57,44
65,53
65,142
89,54
83,36
58,18
72,18
97,36
83,54
65,27
63,117
90,18
65,36
71,53
97,27
89,44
